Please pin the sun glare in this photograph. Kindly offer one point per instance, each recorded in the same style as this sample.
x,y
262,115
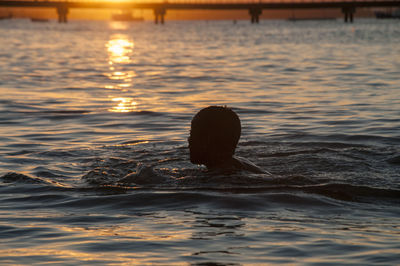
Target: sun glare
x,y
120,51
124,105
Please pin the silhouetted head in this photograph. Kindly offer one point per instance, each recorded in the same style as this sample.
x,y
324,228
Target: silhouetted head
x,y
214,134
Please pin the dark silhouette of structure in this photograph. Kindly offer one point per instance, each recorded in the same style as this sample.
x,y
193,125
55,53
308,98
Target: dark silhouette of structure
x,y
255,8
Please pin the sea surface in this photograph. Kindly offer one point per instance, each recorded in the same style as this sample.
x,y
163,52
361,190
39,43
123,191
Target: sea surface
x,y
84,104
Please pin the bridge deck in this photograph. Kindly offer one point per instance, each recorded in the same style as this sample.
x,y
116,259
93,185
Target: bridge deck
x,y
255,8
202,4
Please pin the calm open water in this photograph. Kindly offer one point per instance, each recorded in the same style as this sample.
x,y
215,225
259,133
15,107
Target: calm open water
x,y
84,104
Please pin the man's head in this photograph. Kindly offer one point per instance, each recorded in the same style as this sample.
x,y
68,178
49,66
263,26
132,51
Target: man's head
x,y
214,134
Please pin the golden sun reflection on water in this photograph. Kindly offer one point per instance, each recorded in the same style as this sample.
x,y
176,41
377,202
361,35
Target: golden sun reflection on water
x,y
78,247
120,51
124,105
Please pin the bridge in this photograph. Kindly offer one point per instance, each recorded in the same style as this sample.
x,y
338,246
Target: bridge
x,y
255,7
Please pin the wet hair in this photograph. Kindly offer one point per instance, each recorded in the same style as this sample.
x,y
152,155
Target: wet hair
x,y
214,134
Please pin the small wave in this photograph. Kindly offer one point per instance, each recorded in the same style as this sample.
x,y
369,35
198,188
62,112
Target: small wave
x,y
133,175
291,153
373,138
112,170
52,114
44,181
254,111
353,193
394,160
329,145
145,112
64,112
222,192
21,178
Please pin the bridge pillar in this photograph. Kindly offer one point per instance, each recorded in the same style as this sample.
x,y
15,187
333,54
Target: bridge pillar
x,y
348,14
159,14
62,11
255,13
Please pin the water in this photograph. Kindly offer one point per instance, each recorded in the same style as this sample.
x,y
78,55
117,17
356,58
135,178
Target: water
x,y
84,104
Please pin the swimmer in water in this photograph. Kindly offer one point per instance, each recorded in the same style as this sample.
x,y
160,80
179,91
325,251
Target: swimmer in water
x,y
214,134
